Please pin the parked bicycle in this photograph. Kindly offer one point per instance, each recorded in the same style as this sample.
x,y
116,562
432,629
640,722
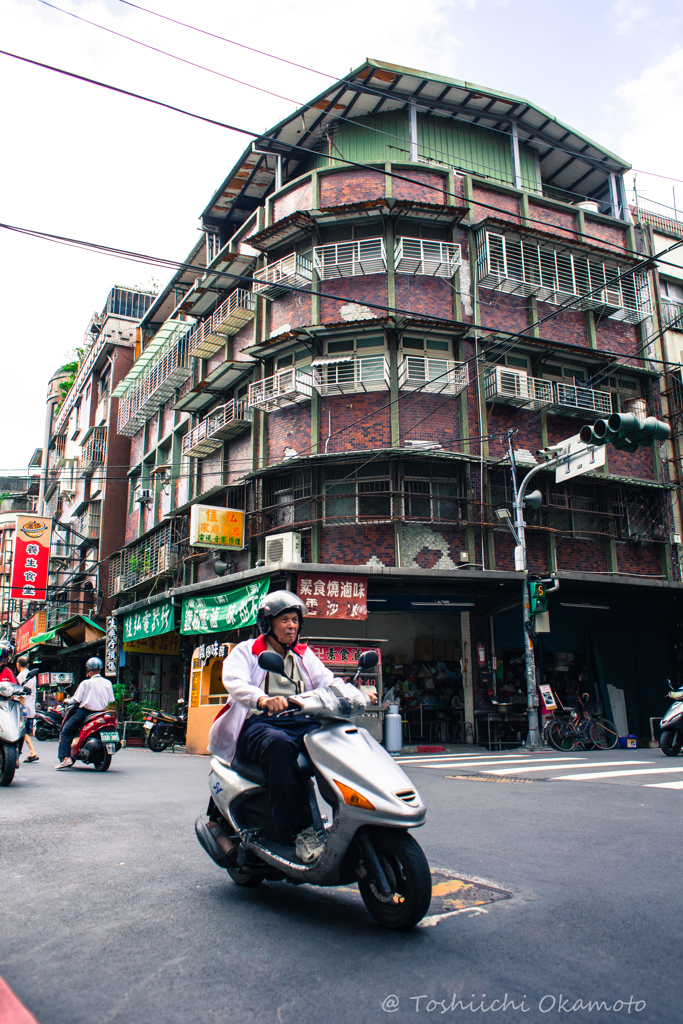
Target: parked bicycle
x,y
579,729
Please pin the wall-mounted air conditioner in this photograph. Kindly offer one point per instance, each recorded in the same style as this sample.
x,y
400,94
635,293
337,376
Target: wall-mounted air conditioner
x,y
144,496
283,547
116,585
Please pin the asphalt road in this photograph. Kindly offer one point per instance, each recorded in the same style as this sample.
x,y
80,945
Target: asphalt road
x,y
113,913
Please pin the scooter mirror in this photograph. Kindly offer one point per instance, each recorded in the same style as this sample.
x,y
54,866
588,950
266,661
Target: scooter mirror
x,y
272,662
368,659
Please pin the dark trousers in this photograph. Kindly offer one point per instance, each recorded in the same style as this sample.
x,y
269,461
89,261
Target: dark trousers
x,y
275,746
71,728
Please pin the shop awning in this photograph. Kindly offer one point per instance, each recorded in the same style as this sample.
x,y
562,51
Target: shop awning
x,y
224,612
153,621
74,632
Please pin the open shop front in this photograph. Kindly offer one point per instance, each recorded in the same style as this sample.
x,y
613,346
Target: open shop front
x,y
150,659
61,653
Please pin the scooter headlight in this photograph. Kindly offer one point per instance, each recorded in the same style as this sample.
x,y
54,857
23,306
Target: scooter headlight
x,y
6,689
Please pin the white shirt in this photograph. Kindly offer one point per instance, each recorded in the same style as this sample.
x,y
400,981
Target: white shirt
x,y
29,700
94,693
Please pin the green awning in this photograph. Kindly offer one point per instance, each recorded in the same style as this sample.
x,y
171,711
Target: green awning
x,y
159,339
223,612
75,623
149,622
43,638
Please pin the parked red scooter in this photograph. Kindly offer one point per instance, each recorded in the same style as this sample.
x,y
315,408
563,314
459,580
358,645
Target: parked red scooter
x,y
98,739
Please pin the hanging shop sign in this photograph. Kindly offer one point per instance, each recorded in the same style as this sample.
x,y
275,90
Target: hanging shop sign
x,y
167,643
223,612
216,527
36,624
149,622
342,655
31,558
334,597
111,649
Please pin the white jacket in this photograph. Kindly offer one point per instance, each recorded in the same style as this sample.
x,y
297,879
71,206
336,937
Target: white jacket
x,y
243,678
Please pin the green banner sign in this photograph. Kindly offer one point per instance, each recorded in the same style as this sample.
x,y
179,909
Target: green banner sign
x,y
149,622
223,612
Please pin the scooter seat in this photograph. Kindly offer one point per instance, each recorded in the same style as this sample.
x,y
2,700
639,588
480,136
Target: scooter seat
x,y
250,770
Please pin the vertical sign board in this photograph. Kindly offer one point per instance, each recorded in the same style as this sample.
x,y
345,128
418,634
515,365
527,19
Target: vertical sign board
x,y
31,558
111,648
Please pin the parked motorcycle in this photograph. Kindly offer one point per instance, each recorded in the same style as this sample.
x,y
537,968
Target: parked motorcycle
x,y
98,739
671,726
373,801
12,727
163,729
49,721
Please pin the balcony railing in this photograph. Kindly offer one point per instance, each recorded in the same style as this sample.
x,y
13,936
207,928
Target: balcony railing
x,y
57,453
350,259
167,370
152,556
209,336
283,388
94,451
423,256
347,374
521,265
672,315
293,271
514,387
438,376
219,425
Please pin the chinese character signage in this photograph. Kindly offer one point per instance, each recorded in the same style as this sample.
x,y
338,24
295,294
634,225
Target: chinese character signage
x,y
36,624
112,648
334,597
223,612
167,643
149,622
31,558
216,527
340,654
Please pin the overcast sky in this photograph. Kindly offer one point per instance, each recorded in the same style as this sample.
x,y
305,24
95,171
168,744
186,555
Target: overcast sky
x,y
81,162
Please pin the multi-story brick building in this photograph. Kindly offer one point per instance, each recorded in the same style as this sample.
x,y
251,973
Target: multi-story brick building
x,y
389,282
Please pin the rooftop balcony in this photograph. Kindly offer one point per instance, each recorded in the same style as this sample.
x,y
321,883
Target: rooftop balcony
x,y
94,450
293,271
220,424
350,259
515,387
437,376
209,336
523,265
283,388
170,367
423,256
343,375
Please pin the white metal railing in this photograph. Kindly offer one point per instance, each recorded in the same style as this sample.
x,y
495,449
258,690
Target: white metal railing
x,y
349,374
283,388
57,453
515,388
350,259
423,256
88,523
209,335
672,315
293,271
568,396
167,370
94,451
521,265
221,423
433,375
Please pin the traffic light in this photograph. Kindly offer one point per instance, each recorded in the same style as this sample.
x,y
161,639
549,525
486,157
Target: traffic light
x,y
539,602
625,431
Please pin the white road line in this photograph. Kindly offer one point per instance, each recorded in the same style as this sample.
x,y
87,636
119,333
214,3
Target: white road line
x,y
434,758
576,763
592,764
607,775
678,784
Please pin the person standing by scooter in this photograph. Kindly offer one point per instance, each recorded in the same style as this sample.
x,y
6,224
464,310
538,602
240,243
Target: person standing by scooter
x,y
29,706
93,694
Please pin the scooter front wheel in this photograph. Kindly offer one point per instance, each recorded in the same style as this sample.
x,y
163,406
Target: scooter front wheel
x,y
670,742
8,763
409,878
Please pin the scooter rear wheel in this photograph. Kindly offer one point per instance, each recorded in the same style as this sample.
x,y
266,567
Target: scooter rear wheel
x,y
670,742
102,764
407,871
8,763
243,878
42,733
156,744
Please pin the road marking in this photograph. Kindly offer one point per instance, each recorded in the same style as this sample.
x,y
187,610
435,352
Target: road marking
x,y
607,775
678,784
490,778
593,764
517,767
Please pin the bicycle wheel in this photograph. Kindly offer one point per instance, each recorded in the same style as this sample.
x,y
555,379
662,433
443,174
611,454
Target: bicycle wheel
x,y
561,736
604,734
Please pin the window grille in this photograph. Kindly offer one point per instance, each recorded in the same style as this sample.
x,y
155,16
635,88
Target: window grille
x,y
94,451
437,376
293,271
283,388
170,367
220,424
341,375
350,259
423,256
148,558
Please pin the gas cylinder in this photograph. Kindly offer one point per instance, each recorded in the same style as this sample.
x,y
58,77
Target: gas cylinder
x,y
393,730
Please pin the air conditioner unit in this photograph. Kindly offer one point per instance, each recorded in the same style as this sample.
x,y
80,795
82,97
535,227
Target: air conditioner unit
x,y
116,585
145,496
166,559
283,547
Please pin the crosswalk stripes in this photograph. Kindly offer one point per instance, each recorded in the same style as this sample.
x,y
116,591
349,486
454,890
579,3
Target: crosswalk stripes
x,y
571,768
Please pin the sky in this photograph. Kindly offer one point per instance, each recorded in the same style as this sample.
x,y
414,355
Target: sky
x,y
81,162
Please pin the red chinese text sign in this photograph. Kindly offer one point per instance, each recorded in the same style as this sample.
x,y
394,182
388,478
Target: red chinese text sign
x,y
334,597
31,558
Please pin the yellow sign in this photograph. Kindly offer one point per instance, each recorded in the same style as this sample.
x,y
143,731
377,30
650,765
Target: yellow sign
x,y
216,527
166,643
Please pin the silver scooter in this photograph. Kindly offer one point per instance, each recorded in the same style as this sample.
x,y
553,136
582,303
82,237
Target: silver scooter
x,y
12,727
373,801
671,726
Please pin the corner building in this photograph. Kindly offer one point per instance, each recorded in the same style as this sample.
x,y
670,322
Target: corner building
x,y
388,282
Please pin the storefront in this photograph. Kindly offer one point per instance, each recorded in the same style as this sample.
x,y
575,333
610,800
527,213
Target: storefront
x,y
151,658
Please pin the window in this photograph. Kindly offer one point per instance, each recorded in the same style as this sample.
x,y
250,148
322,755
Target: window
x,y
288,497
431,491
356,346
358,496
301,358
431,346
553,371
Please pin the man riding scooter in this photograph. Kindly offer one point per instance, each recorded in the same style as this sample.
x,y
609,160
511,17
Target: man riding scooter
x,y
93,694
254,724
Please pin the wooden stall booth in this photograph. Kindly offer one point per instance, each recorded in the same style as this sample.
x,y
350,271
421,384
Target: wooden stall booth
x,y
206,693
